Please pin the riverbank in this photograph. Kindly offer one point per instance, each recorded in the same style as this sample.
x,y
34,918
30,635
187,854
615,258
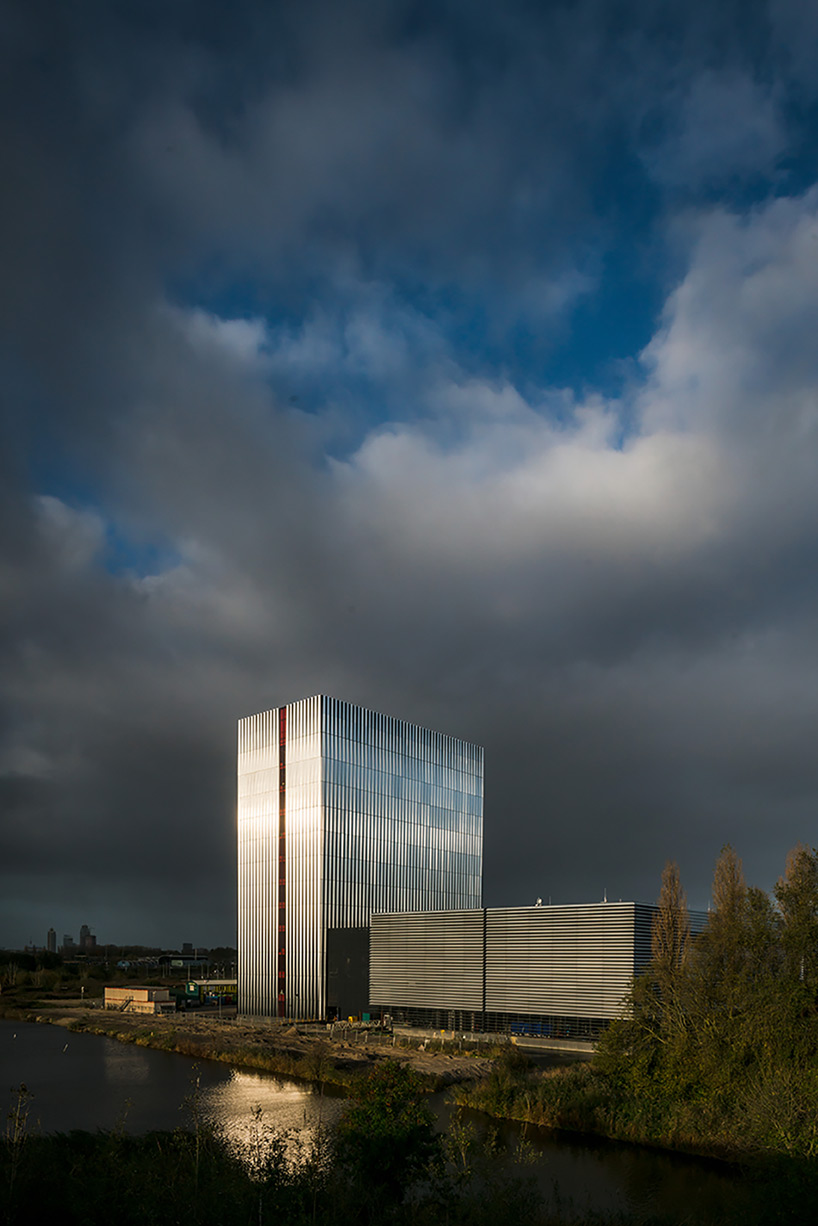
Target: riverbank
x,y
91,1179
583,1099
79,1081
279,1049
502,1082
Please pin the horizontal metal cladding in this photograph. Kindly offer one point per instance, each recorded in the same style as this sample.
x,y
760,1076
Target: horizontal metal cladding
x,y
573,961
644,920
432,958
643,936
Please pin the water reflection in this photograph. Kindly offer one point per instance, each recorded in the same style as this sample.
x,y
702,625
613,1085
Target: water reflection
x,y
588,1175
246,1101
83,1081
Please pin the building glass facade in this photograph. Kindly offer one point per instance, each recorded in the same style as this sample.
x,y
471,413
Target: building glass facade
x,y
343,812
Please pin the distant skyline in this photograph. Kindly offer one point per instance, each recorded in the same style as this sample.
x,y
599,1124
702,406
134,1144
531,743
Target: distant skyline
x,y
455,360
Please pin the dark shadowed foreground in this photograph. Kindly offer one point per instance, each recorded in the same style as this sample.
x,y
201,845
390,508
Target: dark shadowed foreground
x,y
382,1163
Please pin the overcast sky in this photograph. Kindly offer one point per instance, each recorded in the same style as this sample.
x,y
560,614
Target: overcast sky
x,y
455,359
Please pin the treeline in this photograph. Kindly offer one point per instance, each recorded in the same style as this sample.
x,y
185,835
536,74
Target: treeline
x,y
43,972
24,976
109,953
722,1041
719,1053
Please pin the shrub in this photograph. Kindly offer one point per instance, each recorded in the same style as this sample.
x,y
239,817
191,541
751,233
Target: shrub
x,y
385,1139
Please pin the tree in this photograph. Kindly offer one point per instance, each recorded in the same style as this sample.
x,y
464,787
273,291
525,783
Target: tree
x,y
729,895
644,1050
669,942
385,1138
723,943
797,897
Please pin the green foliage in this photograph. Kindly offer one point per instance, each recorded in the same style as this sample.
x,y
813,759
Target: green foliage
x,y
719,1051
385,1139
512,1059
196,1178
722,1041
11,957
574,1097
499,1092
797,896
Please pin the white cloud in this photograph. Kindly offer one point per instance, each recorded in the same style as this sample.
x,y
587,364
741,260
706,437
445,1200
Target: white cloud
x,y
243,342
75,537
207,598
552,501
555,499
736,355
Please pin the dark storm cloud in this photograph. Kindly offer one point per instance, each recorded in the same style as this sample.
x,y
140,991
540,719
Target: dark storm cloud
x,y
268,433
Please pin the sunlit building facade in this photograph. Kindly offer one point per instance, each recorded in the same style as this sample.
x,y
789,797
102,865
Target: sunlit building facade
x,y
342,813
561,970
553,972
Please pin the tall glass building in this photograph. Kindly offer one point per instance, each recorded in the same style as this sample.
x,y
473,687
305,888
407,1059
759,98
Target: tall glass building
x,y
343,812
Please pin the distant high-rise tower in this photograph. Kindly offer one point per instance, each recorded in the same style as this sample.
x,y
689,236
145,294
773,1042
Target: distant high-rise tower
x,y
343,812
51,941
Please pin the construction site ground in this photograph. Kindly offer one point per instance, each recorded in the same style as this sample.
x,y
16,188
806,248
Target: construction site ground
x,y
280,1047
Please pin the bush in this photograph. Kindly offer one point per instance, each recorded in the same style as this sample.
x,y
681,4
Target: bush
x,y
385,1139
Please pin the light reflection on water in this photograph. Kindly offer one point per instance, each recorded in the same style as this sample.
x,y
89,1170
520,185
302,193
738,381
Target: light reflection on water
x,y
83,1081
246,1102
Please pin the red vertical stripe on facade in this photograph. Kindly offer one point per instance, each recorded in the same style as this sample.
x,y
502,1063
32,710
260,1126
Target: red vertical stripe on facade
x,y
282,862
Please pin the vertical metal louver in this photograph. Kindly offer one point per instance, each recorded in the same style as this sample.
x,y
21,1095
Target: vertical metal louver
x,y
363,813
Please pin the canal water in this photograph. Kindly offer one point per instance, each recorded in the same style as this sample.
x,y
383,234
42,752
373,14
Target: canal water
x,y
88,1082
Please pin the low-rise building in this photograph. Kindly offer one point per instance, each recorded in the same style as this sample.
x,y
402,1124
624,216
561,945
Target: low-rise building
x,y
139,1000
555,971
211,991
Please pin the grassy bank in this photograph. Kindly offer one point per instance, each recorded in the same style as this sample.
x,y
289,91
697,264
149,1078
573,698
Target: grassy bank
x,y
581,1099
317,1065
279,1050
386,1169
741,1124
